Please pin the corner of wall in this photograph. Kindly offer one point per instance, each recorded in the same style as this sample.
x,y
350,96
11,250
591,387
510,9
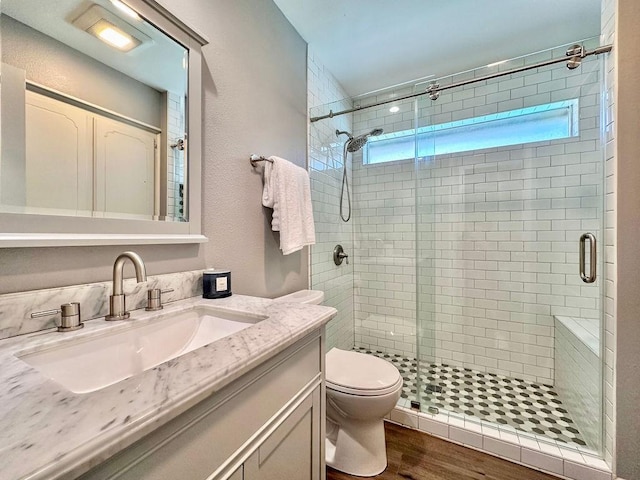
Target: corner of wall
x,y
627,301
325,169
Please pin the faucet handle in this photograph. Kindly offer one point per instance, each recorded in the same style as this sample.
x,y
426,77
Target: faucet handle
x,y
154,298
70,316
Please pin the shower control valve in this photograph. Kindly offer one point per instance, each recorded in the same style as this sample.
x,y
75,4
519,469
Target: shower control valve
x,y
339,255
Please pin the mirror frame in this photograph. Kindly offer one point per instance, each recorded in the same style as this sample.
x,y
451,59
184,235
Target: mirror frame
x,y
27,230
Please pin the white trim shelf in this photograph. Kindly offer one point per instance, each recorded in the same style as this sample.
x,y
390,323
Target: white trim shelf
x,y
19,240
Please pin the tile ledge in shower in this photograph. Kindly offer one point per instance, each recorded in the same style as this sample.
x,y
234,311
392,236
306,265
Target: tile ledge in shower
x,y
547,456
587,330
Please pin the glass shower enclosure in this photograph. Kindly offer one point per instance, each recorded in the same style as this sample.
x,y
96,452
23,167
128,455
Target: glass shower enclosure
x,y
469,215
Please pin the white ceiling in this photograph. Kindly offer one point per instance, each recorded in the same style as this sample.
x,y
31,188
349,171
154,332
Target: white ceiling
x,y
373,44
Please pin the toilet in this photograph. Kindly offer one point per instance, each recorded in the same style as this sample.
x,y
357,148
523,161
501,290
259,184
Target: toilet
x,y
361,391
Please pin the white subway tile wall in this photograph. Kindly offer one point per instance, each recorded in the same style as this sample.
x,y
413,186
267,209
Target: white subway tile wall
x,y
325,170
175,157
608,27
498,229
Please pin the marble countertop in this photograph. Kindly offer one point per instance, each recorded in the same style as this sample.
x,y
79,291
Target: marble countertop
x,y
46,431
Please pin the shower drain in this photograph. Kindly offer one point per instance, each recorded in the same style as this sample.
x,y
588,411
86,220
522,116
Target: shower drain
x,y
431,388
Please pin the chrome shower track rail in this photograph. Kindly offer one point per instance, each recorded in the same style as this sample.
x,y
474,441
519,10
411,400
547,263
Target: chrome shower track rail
x,y
573,57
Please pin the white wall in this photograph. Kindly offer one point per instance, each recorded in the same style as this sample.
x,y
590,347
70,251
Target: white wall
x,y
325,169
254,82
498,229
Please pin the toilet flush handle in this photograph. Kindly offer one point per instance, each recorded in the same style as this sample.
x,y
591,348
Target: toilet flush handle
x,y
339,255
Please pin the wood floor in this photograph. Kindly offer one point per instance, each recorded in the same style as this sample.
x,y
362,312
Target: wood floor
x,y
417,456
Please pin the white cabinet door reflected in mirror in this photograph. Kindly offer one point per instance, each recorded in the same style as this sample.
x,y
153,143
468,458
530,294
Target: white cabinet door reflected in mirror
x,y
58,154
125,159
80,161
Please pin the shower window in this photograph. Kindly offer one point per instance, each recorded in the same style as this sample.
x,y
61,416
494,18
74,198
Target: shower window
x,y
538,123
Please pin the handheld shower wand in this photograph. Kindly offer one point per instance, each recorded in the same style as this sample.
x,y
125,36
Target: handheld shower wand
x,y
353,144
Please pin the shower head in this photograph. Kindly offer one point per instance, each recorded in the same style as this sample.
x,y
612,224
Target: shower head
x,y
355,144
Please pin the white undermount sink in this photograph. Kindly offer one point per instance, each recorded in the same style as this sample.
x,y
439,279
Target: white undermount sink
x,y
90,364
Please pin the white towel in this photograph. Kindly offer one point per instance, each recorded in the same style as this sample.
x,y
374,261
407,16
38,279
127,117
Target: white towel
x,y
287,191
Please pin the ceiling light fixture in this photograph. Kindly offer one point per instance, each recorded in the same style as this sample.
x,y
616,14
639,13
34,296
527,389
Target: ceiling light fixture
x,y
115,37
394,109
110,28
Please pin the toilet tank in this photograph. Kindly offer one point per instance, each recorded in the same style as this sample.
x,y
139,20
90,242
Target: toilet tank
x,y
313,297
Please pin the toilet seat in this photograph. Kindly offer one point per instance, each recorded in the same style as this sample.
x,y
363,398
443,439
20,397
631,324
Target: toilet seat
x,y
364,393
360,374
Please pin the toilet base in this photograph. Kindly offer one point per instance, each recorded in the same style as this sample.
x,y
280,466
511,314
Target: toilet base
x,y
357,447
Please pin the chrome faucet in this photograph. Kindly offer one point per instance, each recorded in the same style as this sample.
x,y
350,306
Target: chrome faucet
x,y
117,307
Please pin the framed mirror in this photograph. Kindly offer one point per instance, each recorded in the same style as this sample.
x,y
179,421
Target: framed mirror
x,y
100,124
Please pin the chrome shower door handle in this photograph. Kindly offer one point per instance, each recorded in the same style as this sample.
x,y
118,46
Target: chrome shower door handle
x,y
592,257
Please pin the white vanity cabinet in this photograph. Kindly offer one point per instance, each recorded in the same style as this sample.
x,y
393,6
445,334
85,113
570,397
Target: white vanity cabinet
x,y
287,451
267,424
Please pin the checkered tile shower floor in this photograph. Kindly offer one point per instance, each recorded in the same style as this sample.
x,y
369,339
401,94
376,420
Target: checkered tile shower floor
x,y
526,406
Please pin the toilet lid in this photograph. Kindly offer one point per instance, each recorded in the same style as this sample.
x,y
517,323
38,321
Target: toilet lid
x,y
358,373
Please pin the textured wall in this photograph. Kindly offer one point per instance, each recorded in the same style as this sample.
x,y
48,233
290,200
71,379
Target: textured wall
x,y
325,168
627,309
498,229
254,100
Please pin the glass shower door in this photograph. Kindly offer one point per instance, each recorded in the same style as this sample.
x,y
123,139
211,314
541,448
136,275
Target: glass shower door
x,y
509,177
384,230
427,232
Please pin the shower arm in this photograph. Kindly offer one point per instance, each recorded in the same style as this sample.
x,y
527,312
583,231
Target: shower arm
x,y
341,132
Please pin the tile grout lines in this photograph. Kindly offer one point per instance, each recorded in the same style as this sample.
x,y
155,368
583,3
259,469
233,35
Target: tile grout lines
x,y
526,406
